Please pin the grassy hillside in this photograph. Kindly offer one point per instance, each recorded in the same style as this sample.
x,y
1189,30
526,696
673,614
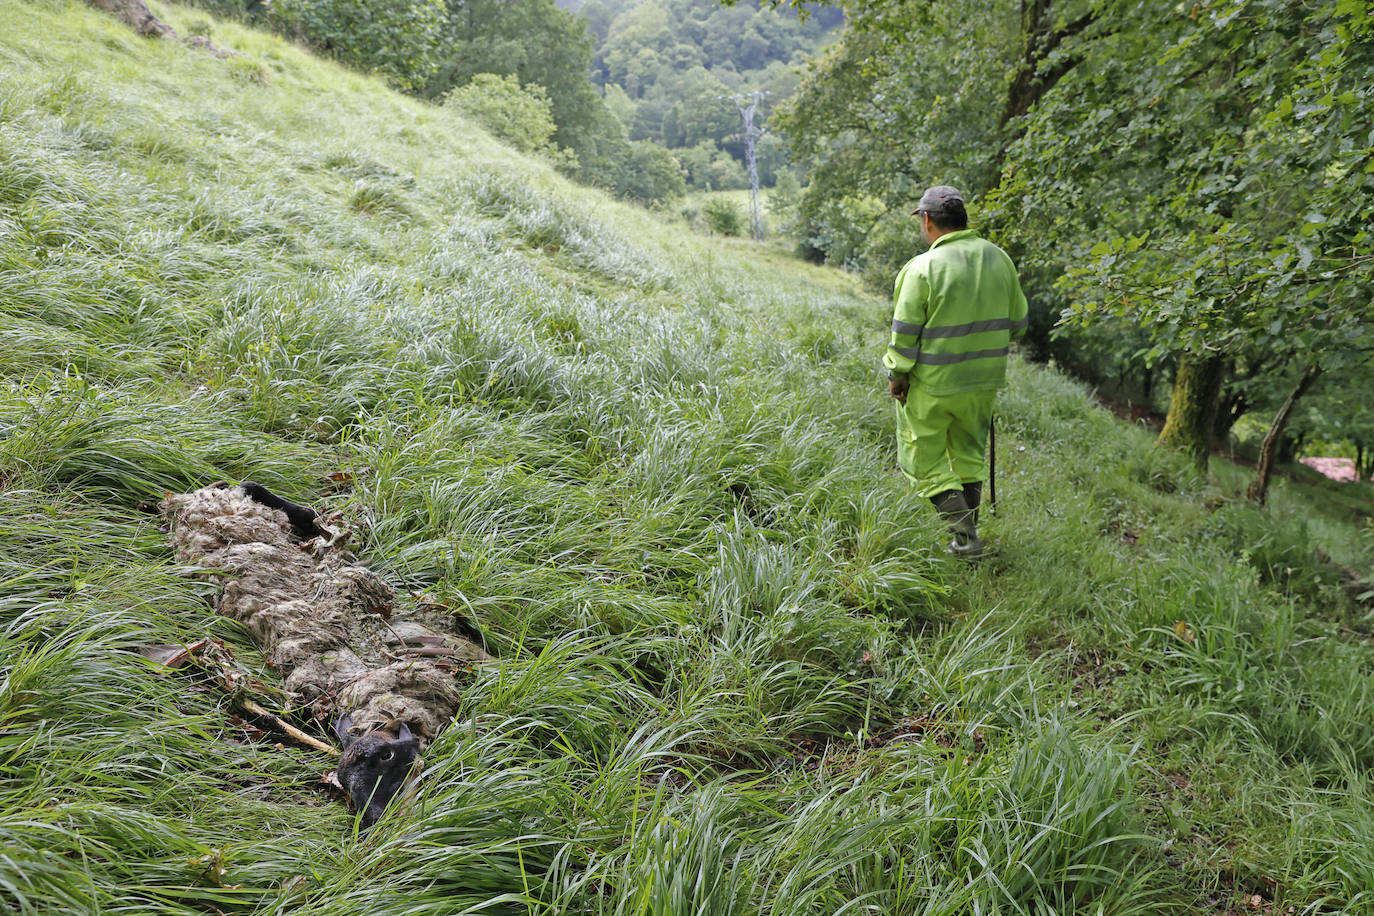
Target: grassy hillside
x,y
736,674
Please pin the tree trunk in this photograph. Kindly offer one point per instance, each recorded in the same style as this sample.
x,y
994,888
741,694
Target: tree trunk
x,y
1359,460
1192,409
1288,448
1259,487
1040,68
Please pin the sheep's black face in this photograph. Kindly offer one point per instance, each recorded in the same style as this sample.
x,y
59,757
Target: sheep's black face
x,y
373,768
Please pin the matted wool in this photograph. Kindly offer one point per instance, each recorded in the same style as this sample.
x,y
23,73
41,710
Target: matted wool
x,y
326,623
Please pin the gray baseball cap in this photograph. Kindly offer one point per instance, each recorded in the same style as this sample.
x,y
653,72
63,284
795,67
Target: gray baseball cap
x,y
939,199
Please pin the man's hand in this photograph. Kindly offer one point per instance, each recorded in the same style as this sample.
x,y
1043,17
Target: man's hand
x,y
897,387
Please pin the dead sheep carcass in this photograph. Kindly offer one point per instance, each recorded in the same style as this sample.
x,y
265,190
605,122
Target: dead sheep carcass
x,y
327,625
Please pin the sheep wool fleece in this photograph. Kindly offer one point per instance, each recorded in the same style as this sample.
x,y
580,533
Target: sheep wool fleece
x,y
956,308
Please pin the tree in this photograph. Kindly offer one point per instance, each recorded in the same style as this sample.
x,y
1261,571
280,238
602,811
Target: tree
x,y
520,115
649,174
399,40
772,158
644,27
598,15
536,43
1234,214
782,202
620,105
882,116
701,112
1201,171
709,168
675,59
1259,487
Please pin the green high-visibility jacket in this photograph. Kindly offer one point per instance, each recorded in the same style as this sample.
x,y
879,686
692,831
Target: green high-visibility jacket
x,y
956,308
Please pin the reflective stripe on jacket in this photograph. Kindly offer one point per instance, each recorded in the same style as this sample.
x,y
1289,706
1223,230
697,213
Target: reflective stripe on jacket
x,y
956,309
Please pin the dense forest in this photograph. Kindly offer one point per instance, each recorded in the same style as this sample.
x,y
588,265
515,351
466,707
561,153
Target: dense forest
x,y
669,69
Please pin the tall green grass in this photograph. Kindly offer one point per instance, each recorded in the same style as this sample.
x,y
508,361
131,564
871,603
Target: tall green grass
x,y
736,673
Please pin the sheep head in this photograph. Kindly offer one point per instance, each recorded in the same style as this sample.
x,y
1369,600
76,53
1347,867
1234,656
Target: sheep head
x,y
374,767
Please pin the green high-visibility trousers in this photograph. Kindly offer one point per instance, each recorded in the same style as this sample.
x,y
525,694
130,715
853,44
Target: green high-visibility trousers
x,y
942,442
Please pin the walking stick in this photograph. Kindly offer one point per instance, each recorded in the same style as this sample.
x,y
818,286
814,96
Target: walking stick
x,y
992,465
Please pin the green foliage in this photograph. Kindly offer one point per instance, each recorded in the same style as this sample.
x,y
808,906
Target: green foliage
x,y
534,43
671,65
771,159
648,47
233,9
724,216
836,230
783,200
1237,237
649,173
620,105
548,51
700,112
1339,416
712,169
1231,219
522,116
1196,173
400,40
880,117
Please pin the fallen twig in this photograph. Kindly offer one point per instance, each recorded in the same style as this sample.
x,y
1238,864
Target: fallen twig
x,y
215,659
285,727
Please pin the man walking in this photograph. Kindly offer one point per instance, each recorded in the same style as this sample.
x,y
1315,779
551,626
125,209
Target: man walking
x,y
956,308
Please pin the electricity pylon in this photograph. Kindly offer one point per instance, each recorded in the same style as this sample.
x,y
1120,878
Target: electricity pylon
x,y
750,134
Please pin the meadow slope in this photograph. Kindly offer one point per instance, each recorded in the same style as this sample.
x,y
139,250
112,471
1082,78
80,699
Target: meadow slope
x,y
735,674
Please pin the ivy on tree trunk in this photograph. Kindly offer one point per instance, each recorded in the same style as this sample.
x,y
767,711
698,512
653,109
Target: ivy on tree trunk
x,y
1193,407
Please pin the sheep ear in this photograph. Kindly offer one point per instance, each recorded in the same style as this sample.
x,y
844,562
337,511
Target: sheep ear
x,y
341,727
405,734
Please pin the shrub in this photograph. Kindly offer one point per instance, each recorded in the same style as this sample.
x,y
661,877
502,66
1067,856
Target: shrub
x,y
723,217
520,115
649,174
838,230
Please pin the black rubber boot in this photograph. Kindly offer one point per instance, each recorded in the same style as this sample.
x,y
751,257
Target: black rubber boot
x,y
973,495
954,509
